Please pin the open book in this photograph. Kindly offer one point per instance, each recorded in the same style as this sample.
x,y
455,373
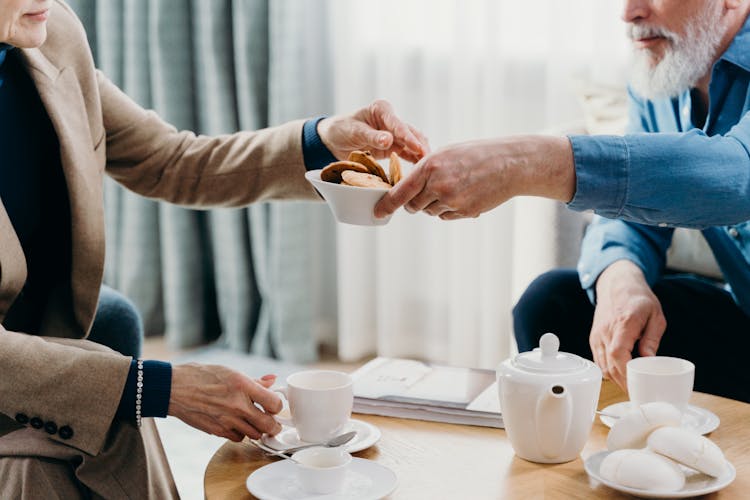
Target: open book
x,y
413,389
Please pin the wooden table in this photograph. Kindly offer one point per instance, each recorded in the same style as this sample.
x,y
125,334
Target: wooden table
x,y
435,461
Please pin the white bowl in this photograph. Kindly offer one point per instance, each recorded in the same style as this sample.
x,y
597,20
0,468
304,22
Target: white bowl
x,y
349,204
322,470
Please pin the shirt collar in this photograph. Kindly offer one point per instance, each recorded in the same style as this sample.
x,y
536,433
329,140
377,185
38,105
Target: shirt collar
x,y
738,52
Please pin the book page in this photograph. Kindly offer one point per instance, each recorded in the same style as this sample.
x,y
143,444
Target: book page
x,y
450,385
383,376
422,383
487,401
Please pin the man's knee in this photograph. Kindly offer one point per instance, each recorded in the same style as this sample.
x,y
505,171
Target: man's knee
x,y
541,306
545,290
33,478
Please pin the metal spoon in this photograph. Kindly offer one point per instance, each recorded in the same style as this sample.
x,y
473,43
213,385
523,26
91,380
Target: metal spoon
x,y
331,443
271,451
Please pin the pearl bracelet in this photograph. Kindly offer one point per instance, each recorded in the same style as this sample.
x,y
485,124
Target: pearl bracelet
x,y
139,393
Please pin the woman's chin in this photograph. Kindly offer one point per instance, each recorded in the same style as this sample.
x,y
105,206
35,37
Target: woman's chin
x,y
30,38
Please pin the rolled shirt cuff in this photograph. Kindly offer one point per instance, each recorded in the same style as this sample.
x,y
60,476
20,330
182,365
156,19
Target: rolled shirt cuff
x,y
601,165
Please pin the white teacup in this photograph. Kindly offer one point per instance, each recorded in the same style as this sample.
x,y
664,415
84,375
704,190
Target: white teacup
x,y
349,204
320,402
322,470
660,378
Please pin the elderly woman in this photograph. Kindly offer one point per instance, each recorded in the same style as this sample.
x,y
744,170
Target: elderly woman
x,y
74,415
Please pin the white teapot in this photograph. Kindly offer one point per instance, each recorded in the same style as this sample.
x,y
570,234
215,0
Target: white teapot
x,y
548,400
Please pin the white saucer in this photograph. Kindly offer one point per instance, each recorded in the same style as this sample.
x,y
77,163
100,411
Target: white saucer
x,y
696,484
695,418
367,435
364,480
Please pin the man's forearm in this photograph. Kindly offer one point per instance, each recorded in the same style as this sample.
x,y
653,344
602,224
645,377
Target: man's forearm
x,y
549,170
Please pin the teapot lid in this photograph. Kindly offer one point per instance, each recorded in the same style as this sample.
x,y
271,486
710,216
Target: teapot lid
x,y
548,359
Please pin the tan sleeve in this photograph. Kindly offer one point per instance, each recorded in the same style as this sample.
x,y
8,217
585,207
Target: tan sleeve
x,y
65,382
152,158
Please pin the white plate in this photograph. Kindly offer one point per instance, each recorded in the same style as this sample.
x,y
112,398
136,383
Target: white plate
x,y
367,435
695,418
696,484
365,480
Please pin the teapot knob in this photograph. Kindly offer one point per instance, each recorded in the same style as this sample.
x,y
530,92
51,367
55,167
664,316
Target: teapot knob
x,y
549,344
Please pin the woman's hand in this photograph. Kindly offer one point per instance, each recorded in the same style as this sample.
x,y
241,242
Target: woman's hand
x,y
375,128
223,402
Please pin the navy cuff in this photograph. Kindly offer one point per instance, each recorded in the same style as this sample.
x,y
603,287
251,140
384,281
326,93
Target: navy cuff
x,y
315,153
157,389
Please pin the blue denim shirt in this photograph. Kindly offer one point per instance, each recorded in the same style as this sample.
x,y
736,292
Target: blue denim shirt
x,y
665,173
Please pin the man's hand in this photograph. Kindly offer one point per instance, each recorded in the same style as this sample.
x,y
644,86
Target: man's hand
x,y
223,402
470,178
626,311
375,128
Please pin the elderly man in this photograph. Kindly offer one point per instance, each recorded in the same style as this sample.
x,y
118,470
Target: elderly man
x,y
75,416
684,162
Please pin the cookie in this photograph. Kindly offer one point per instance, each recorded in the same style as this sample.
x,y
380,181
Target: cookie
x,y
363,180
394,169
366,159
332,173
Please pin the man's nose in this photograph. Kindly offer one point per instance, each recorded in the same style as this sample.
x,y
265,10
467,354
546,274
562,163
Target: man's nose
x,y
635,10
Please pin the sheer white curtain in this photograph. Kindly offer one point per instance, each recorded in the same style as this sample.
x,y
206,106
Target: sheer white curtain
x,y
459,70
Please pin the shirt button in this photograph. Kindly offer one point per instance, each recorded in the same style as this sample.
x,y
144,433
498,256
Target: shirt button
x,y
585,277
733,232
663,224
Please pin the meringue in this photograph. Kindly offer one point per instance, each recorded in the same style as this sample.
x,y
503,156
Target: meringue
x,y
642,469
632,429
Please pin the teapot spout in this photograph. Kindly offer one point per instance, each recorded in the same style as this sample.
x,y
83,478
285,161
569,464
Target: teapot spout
x,y
554,412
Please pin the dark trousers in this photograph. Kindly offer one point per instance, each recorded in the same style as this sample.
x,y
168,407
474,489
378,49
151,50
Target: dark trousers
x,y
704,325
117,323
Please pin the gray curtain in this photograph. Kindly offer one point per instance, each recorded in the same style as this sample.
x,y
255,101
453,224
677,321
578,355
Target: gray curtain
x,y
249,276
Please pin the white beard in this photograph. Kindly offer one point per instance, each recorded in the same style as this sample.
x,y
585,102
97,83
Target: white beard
x,y
685,62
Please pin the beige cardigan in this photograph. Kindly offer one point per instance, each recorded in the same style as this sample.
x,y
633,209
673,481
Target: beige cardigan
x,y
100,129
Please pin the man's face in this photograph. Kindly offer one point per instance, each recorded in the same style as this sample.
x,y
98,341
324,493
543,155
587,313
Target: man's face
x,y
23,23
675,43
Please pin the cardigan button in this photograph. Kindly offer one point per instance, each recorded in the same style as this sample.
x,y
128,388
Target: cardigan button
x,y
36,422
22,418
65,432
50,427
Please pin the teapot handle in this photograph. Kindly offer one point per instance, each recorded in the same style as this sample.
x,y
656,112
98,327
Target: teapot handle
x,y
554,412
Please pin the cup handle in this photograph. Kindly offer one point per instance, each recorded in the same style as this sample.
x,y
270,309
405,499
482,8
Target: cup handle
x,y
284,391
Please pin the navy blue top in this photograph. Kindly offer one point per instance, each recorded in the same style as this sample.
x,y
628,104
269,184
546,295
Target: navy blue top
x,y
32,189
